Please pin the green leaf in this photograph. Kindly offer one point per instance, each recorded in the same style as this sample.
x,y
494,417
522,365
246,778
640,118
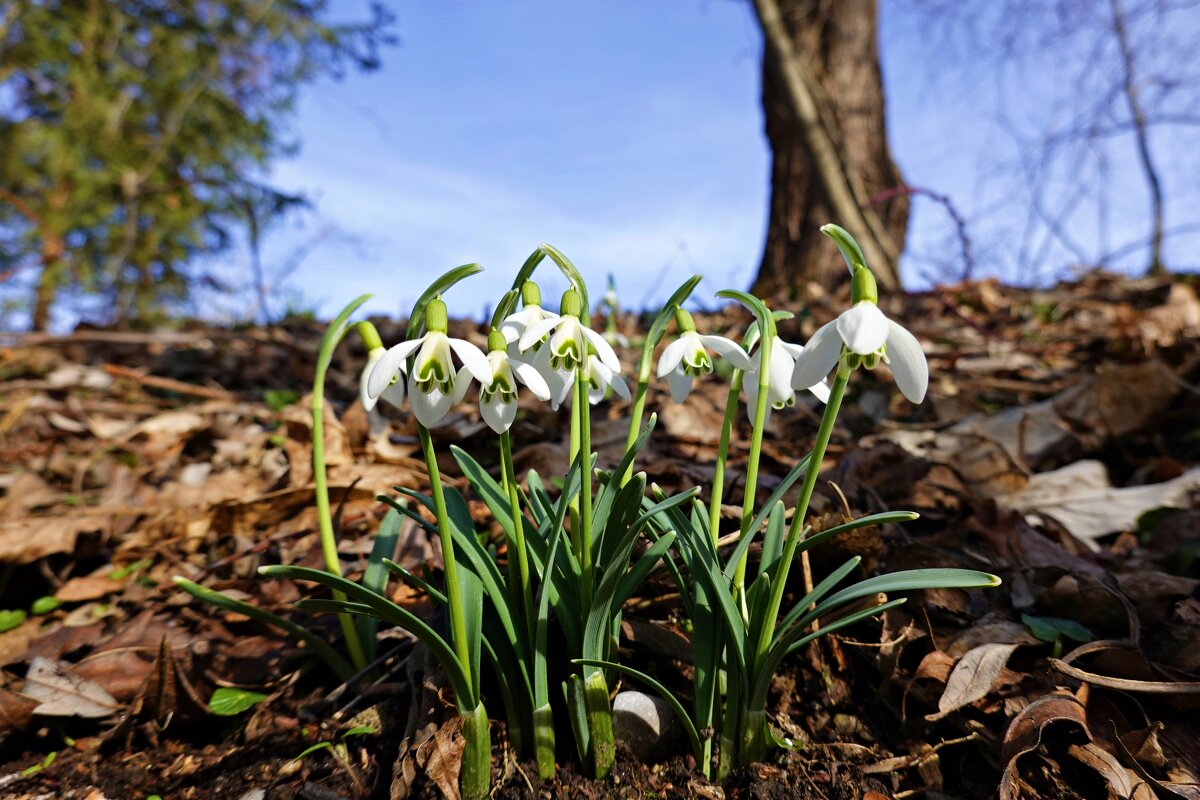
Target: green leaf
x,y
279,399
229,702
375,576
1051,629
340,666
44,605
11,618
390,612
360,730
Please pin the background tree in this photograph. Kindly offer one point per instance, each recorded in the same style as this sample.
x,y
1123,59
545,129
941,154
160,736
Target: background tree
x,y
1094,103
824,103
135,134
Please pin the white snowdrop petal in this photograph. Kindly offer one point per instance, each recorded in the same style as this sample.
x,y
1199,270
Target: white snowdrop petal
x,y
672,354
608,356
620,388
394,393
680,384
782,366
534,333
727,349
907,360
389,364
819,357
462,380
473,359
863,328
429,407
529,375
820,391
498,415
365,397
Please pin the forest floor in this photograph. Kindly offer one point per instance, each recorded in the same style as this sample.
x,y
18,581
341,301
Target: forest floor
x,y
1059,448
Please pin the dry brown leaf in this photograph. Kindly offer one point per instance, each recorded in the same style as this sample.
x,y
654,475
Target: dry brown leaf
x,y
16,710
28,539
973,677
87,587
64,694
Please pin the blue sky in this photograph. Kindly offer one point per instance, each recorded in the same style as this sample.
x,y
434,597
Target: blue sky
x,y
628,134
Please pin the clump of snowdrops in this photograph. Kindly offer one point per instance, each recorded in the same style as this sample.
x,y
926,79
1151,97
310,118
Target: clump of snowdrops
x,y
578,545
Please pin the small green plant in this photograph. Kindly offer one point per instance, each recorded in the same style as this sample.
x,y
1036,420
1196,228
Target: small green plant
x,y
44,605
279,399
11,618
1054,629
229,702
41,765
577,545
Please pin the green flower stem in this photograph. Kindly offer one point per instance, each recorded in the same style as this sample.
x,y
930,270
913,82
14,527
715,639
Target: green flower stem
x,y
583,416
476,775
718,483
519,578
756,436
458,619
368,335
329,551
638,410
779,580
573,506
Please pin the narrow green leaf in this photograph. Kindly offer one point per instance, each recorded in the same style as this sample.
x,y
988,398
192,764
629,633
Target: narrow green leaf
x,y
375,576
340,666
389,611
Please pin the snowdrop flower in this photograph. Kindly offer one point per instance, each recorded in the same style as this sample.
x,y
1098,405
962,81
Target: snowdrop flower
x,y
434,385
601,380
393,393
863,336
498,400
531,313
570,340
781,393
686,358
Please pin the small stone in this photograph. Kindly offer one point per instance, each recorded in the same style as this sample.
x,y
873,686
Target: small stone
x,y
645,724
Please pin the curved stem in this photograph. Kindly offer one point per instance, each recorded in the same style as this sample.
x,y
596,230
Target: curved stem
x,y
718,485
325,516
760,416
458,619
638,410
779,580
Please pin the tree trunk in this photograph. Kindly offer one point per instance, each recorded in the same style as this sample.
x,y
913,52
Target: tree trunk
x,y
824,105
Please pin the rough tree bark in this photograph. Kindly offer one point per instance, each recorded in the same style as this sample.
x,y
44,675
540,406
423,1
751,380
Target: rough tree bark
x,y
824,104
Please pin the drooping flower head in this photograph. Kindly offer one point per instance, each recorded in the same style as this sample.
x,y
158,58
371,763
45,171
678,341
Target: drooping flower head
x,y
498,400
569,338
435,385
781,391
687,358
862,335
531,313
